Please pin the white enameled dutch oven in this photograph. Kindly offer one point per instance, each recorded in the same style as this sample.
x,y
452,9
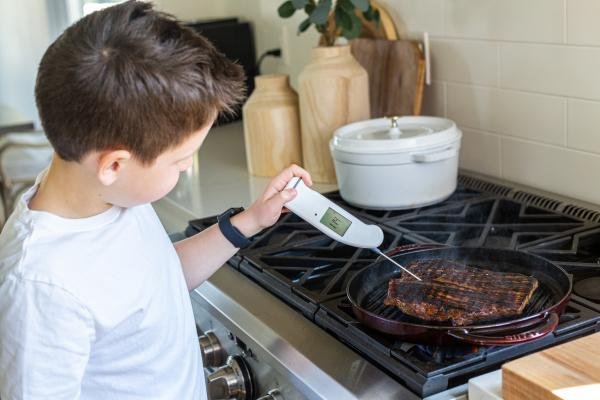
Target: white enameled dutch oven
x,y
396,163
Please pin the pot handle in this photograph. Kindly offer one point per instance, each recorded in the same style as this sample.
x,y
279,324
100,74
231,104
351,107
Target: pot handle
x,y
434,156
546,326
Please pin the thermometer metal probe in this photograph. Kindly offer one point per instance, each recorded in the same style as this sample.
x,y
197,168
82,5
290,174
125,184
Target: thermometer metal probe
x,y
334,221
381,253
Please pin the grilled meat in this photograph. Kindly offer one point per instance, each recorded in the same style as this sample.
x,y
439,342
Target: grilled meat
x,y
459,294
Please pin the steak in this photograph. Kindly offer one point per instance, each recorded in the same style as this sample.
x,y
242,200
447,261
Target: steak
x,y
459,294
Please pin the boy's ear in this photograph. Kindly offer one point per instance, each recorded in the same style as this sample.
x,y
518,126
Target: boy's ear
x,y
110,164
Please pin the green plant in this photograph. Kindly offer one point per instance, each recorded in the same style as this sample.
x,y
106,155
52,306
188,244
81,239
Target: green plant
x,y
332,21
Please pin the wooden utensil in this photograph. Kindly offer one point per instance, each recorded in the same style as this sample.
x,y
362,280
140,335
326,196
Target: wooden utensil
x,y
396,70
569,371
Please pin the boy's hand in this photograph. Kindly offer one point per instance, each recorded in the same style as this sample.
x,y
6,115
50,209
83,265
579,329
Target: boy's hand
x,y
265,211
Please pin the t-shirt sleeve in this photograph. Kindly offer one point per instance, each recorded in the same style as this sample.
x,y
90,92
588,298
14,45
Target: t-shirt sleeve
x,y
45,340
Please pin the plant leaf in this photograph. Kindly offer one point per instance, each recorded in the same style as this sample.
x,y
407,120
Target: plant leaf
x,y
298,4
321,12
369,14
286,9
304,25
342,19
362,5
309,8
346,5
376,18
356,29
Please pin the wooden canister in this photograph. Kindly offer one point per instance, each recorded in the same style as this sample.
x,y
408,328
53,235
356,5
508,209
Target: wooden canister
x,y
334,91
272,126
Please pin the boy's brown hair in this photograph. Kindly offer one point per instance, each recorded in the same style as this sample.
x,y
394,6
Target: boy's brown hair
x,y
129,77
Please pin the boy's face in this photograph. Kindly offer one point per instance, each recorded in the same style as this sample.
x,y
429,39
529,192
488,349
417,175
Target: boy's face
x,y
137,183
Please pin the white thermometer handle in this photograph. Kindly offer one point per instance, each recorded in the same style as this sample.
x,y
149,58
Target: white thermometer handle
x,y
324,215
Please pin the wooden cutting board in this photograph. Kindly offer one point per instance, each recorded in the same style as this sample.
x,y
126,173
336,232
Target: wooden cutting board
x,y
569,371
396,71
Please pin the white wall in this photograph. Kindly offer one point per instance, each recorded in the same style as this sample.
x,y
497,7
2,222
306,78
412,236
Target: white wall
x,y
24,36
521,78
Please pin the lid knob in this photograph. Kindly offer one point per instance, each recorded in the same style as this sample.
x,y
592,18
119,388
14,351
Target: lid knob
x,y
394,130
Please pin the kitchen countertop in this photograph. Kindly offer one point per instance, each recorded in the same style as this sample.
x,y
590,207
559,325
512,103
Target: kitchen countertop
x,y
218,180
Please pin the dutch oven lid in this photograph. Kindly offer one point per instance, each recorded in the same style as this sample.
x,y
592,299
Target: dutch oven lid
x,y
394,134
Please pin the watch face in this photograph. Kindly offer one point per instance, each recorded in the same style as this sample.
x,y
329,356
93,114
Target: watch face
x,y
231,212
235,210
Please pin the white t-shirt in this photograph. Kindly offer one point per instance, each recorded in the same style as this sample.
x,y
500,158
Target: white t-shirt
x,y
94,308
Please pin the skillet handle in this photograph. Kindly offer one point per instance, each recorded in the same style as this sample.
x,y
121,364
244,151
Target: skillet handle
x,y
546,326
407,248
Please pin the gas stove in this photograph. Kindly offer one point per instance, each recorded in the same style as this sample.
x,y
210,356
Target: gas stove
x,y
310,272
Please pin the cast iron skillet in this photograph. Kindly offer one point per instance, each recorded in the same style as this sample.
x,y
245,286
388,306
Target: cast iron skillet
x,y
368,288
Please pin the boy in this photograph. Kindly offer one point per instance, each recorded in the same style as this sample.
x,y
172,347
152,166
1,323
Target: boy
x,y
94,299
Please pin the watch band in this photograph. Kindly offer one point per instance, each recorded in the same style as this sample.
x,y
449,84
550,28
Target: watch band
x,y
230,232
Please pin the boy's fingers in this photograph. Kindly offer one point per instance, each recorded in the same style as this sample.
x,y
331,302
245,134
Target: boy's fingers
x,y
278,182
287,195
301,172
281,198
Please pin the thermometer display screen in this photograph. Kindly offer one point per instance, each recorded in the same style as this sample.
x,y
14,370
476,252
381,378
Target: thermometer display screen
x,y
335,221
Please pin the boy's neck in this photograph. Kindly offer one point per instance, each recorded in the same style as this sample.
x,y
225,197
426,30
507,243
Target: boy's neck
x,y
69,191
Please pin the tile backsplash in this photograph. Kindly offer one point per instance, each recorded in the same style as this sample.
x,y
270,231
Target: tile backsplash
x,y
522,80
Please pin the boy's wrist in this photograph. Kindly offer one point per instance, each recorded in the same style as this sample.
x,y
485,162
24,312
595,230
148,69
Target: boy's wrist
x,y
246,223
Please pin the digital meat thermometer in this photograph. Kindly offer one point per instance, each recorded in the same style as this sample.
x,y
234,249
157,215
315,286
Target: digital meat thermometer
x,y
334,221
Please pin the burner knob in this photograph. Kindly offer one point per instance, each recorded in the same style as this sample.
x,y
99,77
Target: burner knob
x,y
272,395
232,381
211,350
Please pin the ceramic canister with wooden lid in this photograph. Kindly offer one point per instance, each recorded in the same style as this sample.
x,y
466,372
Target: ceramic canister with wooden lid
x,y
272,126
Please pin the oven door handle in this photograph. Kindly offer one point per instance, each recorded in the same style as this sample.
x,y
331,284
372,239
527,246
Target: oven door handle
x,y
547,325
